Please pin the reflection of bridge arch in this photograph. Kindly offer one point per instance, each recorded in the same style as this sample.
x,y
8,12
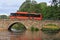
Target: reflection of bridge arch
x,y
10,27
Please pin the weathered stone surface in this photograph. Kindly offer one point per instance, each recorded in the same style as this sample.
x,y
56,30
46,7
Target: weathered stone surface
x,y
28,23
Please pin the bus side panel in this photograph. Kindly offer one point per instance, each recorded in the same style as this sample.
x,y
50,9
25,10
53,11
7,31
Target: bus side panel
x,y
35,18
21,17
38,18
30,18
12,17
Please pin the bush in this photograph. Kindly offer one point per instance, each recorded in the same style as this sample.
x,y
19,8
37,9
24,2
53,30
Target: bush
x,y
51,25
34,29
18,26
51,28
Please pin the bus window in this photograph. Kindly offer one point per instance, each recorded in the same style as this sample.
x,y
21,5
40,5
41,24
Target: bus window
x,y
13,14
33,15
28,15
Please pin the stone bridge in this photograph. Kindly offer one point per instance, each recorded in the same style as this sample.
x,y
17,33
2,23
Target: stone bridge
x,y
27,23
5,23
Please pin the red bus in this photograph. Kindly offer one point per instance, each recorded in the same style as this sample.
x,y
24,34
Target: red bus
x,y
25,15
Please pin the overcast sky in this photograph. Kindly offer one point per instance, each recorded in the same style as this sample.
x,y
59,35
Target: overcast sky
x,y
9,6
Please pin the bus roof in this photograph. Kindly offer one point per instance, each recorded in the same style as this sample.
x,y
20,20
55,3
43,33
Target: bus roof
x,y
22,12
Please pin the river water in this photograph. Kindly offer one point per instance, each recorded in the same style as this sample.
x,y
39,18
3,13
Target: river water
x,y
28,35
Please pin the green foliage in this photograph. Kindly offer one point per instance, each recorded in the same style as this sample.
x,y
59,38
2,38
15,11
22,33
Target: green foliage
x,y
34,29
3,17
50,28
30,7
51,25
55,2
18,27
48,12
50,31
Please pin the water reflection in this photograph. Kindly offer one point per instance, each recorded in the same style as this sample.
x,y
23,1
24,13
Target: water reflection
x,y
50,32
28,35
50,36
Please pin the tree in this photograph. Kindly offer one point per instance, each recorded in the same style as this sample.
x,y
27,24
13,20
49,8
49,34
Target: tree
x,y
43,8
48,12
3,16
28,6
55,2
25,6
55,9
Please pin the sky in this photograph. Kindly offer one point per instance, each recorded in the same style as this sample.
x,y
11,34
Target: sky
x,y
11,6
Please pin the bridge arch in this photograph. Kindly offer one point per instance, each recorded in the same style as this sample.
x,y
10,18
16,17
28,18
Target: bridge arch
x,y
19,23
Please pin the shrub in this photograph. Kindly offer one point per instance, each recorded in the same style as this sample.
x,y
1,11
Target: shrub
x,y
51,28
34,29
18,27
51,25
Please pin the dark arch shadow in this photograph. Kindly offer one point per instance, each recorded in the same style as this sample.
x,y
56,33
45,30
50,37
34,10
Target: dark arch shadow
x,y
9,29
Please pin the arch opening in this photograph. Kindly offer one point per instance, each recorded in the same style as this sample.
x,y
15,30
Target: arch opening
x,y
17,27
